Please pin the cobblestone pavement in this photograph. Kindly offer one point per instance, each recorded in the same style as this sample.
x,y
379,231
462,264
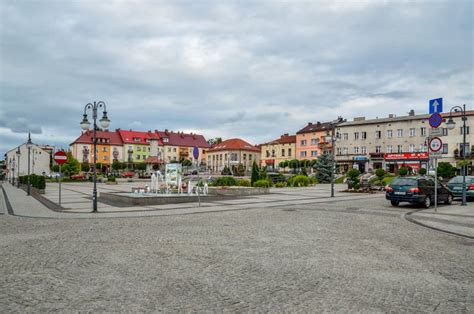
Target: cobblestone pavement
x,y
344,256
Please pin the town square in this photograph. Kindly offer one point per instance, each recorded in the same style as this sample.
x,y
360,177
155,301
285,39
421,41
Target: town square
x,y
218,156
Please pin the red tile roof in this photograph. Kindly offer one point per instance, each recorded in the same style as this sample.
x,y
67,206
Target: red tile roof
x,y
284,139
128,136
234,144
113,138
183,139
315,127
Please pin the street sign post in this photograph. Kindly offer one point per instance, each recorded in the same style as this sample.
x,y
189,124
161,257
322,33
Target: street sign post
x,y
436,132
436,105
60,158
435,144
435,120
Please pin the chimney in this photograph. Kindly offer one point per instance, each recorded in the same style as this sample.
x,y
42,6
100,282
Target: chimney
x,y
411,113
309,123
391,115
359,119
319,123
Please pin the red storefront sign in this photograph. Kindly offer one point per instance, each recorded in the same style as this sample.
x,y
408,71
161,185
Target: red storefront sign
x,y
269,161
407,156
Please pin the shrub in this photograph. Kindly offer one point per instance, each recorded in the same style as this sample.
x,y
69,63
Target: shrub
x,y
299,180
422,172
226,171
446,170
262,183
313,180
276,177
339,180
403,171
41,183
239,171
280,184
353,178
244,182
255,173
225,181
140,166
111,179
263,173
85,167
380,173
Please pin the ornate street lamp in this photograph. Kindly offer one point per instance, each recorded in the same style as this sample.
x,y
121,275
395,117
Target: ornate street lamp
x,y
18,154
29,144
450,124
332,138
85,125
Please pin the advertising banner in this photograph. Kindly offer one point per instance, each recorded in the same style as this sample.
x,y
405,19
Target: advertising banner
x,y
172,172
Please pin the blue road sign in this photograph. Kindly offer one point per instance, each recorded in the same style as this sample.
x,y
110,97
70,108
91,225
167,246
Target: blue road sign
x,y
436,105
435,120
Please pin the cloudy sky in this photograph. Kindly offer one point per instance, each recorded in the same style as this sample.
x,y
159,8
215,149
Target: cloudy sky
x,y
250,69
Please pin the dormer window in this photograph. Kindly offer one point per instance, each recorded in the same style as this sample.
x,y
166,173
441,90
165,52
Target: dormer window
x,y
136,139
165,140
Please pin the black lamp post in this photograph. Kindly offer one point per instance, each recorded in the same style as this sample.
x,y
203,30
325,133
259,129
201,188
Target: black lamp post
x,y
28,145
450,124
18,154
332,138
85,125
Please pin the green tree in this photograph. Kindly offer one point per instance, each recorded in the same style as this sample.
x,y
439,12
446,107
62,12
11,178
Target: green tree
x,y
294,164
71,166
403,171
85,167
263,173
117,165
283,164
226,171
141,166
353,178
324,168
255,173
446,170
239,170
215,141
422,171
186,163
380,173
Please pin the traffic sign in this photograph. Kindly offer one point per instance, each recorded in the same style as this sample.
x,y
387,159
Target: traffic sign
x,y
436,154
436,105
436,132
60,157
435,120
435,144
196,153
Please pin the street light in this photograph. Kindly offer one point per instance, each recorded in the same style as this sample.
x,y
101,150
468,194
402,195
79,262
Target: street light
x,y
18,154
332,138
450,124
29,144
85,125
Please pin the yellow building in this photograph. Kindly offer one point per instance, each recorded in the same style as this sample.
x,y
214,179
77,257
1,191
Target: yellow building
x,y
274,152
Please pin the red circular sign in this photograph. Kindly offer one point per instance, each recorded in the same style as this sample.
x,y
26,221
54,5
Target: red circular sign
x,y
60,157
436,144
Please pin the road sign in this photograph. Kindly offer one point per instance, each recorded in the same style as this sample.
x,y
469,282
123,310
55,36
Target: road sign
x,y
435,120
196,153
436,144
436,154
60,157
436,105
436,132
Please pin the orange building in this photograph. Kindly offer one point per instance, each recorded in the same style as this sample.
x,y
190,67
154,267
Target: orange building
x,y
311,142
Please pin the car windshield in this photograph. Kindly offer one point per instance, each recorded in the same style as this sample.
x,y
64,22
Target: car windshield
x,y
404,181
459,179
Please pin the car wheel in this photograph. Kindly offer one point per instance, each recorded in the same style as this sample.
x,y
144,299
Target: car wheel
x,y
427,202
449,200
395,203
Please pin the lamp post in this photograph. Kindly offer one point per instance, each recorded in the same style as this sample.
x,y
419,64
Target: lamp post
x,y
18,154
28,145
85,125
450,124
332,138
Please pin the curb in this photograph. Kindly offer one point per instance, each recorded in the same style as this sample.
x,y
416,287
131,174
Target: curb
x,y
7,202
407,217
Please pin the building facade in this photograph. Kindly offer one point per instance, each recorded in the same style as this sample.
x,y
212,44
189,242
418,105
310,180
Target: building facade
x,y
276,151
393,142
178,146
231,153
310,140
17,165
109,147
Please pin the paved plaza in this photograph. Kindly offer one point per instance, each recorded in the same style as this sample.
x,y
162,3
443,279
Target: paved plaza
x,y
295,250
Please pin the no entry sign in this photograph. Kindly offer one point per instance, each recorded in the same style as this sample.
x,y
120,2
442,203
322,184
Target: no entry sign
x,y
60,157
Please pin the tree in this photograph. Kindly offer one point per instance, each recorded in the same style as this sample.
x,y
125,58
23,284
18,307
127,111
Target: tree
x,y
353,178
380,173
141,166
226,171
85,167
446,170
239,170
283,164
215,141
294,164
324,167
403,171
117,165
255,173
71,166
422,171
186,163
263,173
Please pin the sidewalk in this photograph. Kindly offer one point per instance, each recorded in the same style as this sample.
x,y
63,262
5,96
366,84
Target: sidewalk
x,y
455,219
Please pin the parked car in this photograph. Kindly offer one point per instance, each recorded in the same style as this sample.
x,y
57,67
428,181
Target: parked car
x,y
416,190
128,174
79,177
455,185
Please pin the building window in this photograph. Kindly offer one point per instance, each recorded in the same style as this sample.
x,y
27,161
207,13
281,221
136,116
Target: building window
x,y
389,149
303,142
303,154
378,134
364,135
411,148
356,135
268,153
233,157
345,151
389,134
104,149
412,132
169,149
139,149
144,157
356,150
423,131
283,152
462,130
363,150
378,149
174,149
250,157
138,157
399,149
136,139
338,151
445,131
165,140
273,153
314,153
314,141
400,132
445,148
345,136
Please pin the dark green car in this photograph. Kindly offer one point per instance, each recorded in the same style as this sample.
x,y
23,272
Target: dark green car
x,y
455,185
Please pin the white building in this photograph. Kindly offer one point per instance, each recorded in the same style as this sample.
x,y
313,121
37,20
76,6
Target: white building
x,y
394,141
17,164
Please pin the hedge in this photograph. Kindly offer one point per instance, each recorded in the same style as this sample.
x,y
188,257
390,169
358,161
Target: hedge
x,y
225,181
298,180
262,183
36,181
